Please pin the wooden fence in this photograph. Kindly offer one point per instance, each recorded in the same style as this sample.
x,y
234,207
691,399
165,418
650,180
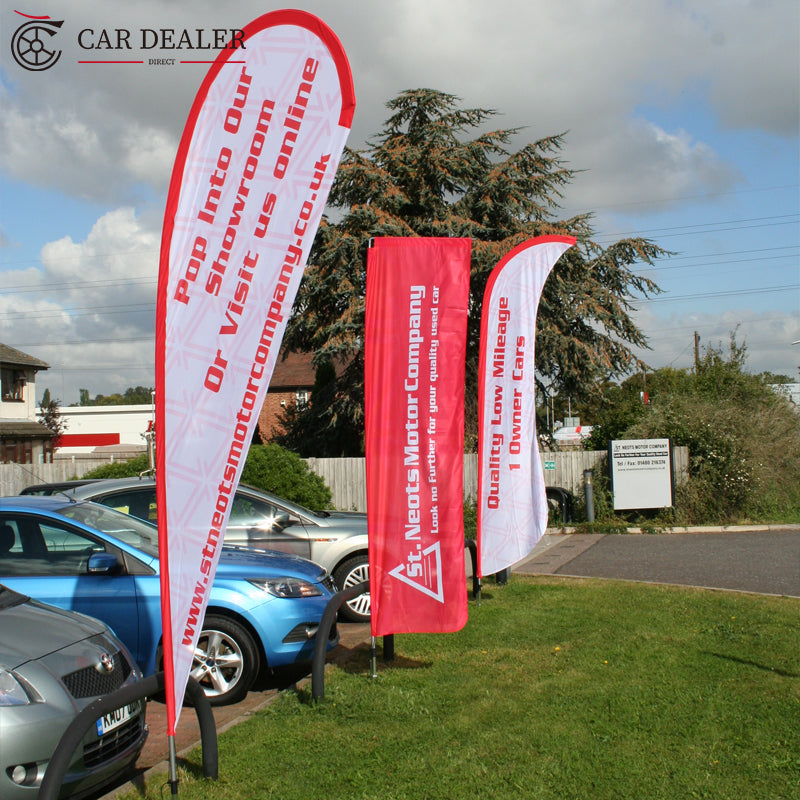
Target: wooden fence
x,y
346,477
15,477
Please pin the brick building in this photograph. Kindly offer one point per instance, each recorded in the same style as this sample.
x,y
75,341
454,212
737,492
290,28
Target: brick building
x,y
292,382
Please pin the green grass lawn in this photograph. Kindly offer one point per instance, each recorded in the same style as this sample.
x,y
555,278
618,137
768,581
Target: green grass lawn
x,y
556,688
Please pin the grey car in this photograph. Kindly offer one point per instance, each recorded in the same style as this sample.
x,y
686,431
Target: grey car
x,y
336,540
54,663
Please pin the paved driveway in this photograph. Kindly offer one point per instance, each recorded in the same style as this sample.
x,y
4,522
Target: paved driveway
x,y
762,561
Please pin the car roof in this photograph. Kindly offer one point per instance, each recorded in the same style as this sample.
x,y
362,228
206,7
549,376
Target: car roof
x,y
277,563
95,488
37,502
55,487
88,489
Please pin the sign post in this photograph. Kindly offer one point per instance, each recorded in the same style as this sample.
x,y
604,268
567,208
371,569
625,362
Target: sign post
x,y
641,473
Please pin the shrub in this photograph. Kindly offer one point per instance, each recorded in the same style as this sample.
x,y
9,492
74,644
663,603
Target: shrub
x,y
470,519
743,440
268,467
272,468
121,469
743,456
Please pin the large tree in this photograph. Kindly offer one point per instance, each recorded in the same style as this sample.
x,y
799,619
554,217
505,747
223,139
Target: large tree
x,y
423,175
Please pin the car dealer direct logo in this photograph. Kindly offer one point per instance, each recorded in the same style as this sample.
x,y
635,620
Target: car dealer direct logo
x,y
32,43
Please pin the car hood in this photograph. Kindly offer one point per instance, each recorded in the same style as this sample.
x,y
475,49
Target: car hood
x,y
237,562
31,630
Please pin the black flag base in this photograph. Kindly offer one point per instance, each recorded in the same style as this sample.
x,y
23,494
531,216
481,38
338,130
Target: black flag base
x,y
151,685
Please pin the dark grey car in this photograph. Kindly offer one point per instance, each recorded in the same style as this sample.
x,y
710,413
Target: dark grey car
x,y
54,663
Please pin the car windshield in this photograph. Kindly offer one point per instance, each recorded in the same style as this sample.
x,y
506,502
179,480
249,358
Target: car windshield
x,y
124,527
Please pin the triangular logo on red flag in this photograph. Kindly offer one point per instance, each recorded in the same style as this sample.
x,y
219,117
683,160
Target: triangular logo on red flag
x,y
424,571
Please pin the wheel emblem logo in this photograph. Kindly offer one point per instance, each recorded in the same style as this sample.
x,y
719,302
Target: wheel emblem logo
x,y
32,44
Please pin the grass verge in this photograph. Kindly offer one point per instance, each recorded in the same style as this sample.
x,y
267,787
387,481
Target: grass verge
x,y
556,688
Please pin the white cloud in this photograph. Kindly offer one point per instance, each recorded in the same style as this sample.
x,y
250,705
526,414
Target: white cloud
x,y
90,311
81,156
118,252
149,155
669,167
577,65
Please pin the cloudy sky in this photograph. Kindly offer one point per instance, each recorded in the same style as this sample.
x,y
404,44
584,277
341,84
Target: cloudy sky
x,y
681,115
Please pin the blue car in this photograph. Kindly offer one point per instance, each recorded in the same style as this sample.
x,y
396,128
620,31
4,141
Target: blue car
x,y
264,607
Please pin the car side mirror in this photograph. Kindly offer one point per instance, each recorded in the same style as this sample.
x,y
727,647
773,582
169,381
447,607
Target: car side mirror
x,y
281,521
103,564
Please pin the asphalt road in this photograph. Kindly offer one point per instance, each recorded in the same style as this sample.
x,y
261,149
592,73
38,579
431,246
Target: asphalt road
x,y
765,561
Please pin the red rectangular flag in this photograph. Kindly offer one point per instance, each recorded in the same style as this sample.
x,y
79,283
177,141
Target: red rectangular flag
x,y
415,348
512,504
254,167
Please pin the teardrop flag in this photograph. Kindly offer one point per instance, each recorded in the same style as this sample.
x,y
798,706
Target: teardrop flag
x,y
254,167
512,504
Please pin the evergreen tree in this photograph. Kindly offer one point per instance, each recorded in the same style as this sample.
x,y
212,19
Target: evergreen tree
x,y
311,431
423,176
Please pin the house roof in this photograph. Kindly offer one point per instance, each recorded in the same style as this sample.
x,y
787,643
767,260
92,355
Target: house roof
x,y
297,371
23,429
293,370
9,355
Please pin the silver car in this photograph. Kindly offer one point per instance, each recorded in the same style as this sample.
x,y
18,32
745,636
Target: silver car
x,y
336,540
54,663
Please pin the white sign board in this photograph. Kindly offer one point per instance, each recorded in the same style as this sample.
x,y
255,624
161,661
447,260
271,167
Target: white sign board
x,y
641,473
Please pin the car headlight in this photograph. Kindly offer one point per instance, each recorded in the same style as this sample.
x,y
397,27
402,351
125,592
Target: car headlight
x,y
287,587
12,691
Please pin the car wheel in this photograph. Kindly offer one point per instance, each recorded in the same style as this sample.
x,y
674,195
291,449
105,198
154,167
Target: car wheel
x,y
226,660
352,572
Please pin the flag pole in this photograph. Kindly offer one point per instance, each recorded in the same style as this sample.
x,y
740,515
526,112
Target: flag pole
x,y
173,765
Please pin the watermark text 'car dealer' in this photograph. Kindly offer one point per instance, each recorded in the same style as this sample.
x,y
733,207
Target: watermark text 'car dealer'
x,y
161,38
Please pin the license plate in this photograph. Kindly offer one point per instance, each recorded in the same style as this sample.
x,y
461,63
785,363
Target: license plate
x,y
114,719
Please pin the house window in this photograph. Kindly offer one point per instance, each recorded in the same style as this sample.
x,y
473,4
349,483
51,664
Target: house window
x,y
17,451
13,385
301,398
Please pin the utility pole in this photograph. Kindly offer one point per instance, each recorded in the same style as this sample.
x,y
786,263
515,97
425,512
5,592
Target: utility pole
x,y
696,352
547,410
